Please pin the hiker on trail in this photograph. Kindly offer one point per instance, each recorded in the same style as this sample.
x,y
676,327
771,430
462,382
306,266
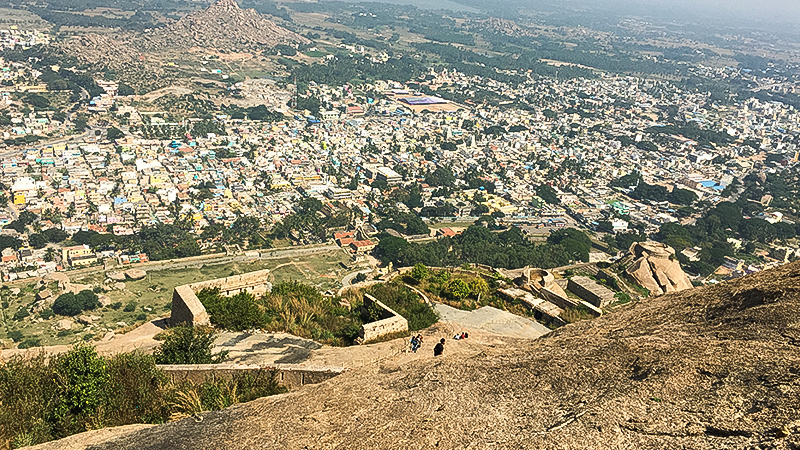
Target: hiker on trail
x,y
439,349
416,342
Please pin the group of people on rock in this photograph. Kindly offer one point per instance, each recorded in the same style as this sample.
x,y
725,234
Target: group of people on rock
x,y
438,349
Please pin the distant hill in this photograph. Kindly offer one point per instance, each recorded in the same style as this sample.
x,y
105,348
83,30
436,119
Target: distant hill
x,y
708,368
223,26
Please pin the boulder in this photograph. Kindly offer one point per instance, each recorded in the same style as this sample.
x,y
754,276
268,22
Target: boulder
x,y
116,276
135,274
58,277
88,320
108,336
104,300
651,249
76,288
44,295
15,291
656,268
64,325
119,286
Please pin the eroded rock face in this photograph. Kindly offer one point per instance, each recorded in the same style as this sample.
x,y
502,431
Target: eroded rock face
x,y
656,268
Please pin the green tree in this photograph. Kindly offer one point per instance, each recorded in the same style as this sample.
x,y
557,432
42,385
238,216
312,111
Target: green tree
x,y
479,287
548,194
458,289
420,272
114,133
186,344
69,304
83,379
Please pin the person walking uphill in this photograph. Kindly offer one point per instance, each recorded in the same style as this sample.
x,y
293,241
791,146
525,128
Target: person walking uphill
x,y
439,349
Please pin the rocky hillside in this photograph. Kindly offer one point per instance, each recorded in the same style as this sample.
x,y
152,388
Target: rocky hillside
x,y
708,368
223,26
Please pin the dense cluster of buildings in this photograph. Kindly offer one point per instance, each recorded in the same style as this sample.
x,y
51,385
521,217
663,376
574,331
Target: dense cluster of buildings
x,y
581,135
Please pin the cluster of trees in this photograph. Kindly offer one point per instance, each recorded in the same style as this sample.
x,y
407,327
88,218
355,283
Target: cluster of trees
x,y
51,235
693,131
291,307
654,192
711,232
405,302
69,304
477,244
548,194
408,224
159,241
245,230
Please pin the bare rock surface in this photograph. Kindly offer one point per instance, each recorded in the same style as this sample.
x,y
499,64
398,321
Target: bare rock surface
x,y
708,368
135,274
656,268
116,276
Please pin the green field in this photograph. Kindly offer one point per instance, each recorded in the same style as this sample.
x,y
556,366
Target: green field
x,y
151,297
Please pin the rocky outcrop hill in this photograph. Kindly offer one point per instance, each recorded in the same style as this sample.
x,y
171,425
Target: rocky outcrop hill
x,y
656,268
224,26
708,368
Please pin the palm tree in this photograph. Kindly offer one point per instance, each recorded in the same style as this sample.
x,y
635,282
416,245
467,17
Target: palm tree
x,y
50,254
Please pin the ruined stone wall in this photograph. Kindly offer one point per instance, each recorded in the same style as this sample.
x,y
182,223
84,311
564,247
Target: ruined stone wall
x,y
187,309
587,289
254,282
395,323
291,376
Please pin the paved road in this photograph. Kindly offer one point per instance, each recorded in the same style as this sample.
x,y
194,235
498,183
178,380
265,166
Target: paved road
x,y
348,279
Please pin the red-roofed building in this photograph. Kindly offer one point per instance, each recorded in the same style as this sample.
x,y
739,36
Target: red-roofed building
x,y
447,232
362,246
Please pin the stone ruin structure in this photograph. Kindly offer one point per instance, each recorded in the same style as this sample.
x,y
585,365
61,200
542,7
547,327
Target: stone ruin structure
x,y
187,309
390,322
656,268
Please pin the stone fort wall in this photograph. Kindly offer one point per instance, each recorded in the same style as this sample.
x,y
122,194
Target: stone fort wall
x,y
291,376
187,309
391,323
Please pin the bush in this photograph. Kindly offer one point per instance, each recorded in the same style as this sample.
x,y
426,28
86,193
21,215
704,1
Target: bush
x,y
21,314
44,399
130,307
15,335
141,317
188,345
46,314
116,305
238,313
69,304
30,343
82,376
407,303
